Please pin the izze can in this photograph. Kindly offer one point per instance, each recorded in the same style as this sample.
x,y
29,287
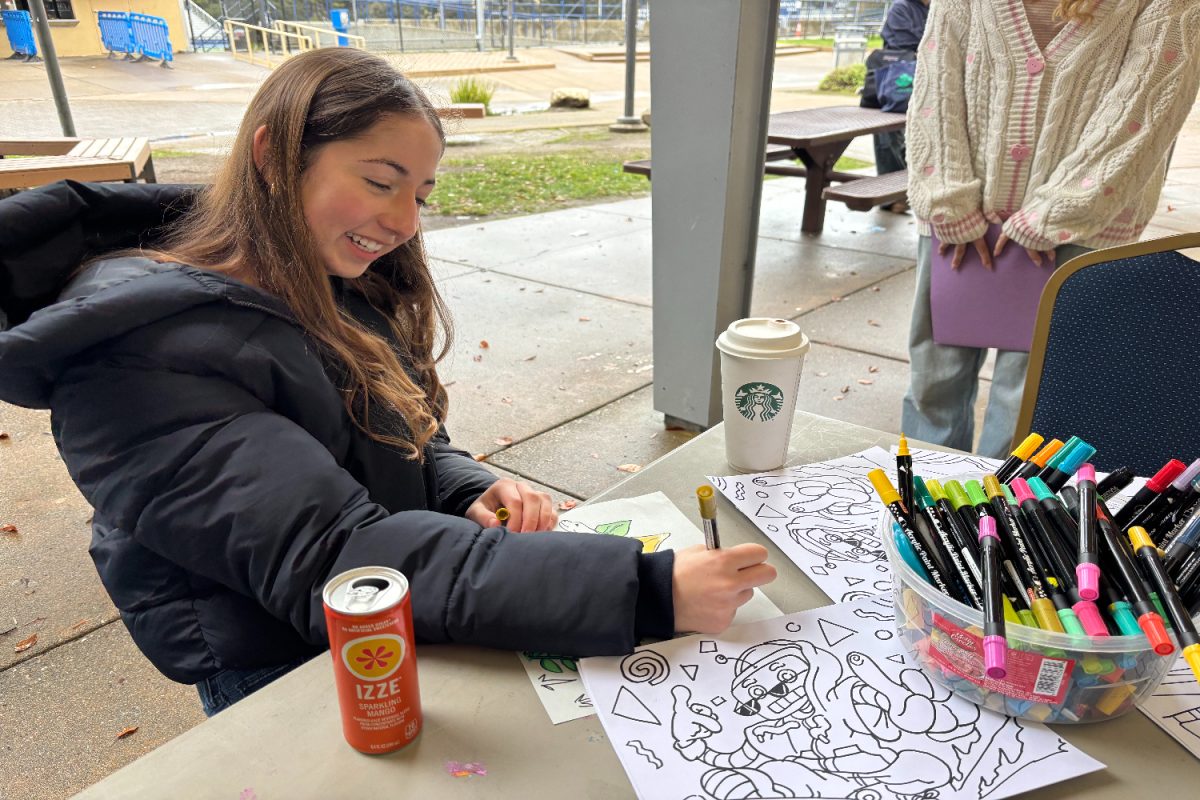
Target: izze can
x,y
369,615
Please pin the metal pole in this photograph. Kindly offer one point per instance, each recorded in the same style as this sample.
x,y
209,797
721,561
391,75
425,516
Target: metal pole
x,y
629,123
511,32
479,25
52,71
400,24
442,15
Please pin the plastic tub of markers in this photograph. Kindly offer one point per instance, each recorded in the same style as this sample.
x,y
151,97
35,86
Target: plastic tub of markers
x,y
1052,677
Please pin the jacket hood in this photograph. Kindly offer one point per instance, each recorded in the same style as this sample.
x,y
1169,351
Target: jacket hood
x,y
54,316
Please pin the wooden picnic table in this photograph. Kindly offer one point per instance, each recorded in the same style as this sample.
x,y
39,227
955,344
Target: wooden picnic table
x,y
49,160
819,136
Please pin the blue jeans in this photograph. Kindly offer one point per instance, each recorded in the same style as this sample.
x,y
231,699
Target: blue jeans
x,y
889,152
944,379
218,692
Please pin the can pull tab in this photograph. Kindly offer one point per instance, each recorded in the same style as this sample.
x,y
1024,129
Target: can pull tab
x,y
364,592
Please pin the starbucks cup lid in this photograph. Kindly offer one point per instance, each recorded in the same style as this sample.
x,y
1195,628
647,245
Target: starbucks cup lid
x,y
763,337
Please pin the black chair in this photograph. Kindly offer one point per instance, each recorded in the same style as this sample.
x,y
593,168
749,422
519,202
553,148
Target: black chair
x,y
1116,355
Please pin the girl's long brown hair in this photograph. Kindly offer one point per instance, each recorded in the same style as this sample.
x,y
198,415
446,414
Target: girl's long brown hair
x,y
1074,10
250,223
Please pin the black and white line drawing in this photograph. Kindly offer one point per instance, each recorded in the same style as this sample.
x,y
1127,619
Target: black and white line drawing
x,y
775,713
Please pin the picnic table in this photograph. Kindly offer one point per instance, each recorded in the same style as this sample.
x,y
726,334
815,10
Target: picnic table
x,y
818,137
479,706
49,160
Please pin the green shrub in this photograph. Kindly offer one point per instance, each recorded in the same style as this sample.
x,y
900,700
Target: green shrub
x,y
844,79
473,90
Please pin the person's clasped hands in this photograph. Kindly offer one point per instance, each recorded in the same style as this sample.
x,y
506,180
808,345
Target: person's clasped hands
x,y
986,254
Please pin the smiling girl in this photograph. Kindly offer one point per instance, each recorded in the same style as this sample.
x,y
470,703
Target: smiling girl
x,y
252,406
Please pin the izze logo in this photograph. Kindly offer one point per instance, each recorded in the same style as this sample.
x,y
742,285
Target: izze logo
x,y
374,658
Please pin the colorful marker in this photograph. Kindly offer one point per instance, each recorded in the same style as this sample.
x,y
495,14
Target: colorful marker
x,y
1015,587
708,516
1184,544
1087,571
1167,500
1180,619
904,475
1148,618
1057,458
960,578
995,647
1016,547
1037,462
1114,482
1174,522
503,514
1023,452
1058,476
1153,488
958,498
1110,586
891,498
905,549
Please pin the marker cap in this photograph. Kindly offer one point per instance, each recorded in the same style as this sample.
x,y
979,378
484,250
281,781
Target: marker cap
x,y
991,485
1152,625
935,490
1042,456
1087,472
1021,489
1185,477
1122,614
1063,452
1040,489
975,493
1139,538
1027,447
921,494
1088,578
955,493
708,502
1166,473
1192,654
1008,494
883,486
1089,617
987,527
995,652
1078,455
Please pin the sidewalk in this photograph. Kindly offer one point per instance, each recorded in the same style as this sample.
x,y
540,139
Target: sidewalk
x,y
566,374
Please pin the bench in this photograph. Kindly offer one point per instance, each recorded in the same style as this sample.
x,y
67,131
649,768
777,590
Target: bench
x,y
774,152
869,192
50,160
462,111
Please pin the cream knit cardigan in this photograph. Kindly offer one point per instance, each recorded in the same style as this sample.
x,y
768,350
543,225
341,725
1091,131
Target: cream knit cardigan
x,y
1065,146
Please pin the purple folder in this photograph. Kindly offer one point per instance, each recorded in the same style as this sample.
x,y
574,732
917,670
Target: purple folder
x,y
977,307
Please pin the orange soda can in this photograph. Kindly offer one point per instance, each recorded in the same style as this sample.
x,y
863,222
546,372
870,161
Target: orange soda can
x,y
369,615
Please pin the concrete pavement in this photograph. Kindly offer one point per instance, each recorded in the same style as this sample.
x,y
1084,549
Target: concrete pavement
x,y
566,376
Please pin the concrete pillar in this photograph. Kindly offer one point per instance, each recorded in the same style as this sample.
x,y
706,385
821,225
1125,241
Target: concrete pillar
x,y
710,74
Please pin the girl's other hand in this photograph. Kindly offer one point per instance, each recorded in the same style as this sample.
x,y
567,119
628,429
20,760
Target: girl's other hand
x,y
529,509
710,585
1038,257
960,252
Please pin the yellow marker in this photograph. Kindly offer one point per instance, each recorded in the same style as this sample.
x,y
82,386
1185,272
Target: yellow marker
x,y
708,515
1019,456
503,515
1169,594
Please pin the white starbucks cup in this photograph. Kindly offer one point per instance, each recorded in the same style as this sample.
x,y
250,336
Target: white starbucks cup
x,y
761,359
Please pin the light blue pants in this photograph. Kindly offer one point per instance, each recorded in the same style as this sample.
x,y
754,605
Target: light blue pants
x,y
944,379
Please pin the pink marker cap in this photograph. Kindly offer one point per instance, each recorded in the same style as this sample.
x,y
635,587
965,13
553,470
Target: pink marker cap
x,y
995,651
1088,578
1090,619
1086,472
1021,489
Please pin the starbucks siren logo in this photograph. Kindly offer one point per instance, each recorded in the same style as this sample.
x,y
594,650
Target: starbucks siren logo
x,y
758,400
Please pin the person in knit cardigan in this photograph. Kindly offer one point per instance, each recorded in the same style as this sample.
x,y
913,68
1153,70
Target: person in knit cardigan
x,y
1053,120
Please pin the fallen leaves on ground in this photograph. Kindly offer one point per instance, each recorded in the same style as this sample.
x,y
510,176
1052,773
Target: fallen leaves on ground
x,y
26,643
483,344
585,319
8,529
865,381
504,441
872,369
4,435
130,731
874,323
481,456
506,400
74,628
822,374
630,467
567,505
529,358
477,358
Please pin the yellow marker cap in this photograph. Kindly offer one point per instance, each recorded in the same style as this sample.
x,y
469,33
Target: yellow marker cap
x,y
902,449
991,485
1042,456
708,502
1139,538
1047,616
1192,654
883,486
1032,442
503,514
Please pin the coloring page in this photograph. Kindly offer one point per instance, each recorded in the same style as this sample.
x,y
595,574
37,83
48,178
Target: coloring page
x,y
659,525
1175,706
822,703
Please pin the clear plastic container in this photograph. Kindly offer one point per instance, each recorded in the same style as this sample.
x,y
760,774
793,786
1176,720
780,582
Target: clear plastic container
x,y
1052,677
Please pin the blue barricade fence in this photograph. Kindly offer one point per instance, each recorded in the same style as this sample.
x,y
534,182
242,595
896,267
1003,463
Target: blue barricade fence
x,y
20,33
115,33
150,36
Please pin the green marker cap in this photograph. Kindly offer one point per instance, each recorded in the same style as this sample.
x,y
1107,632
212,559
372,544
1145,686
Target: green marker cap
x,y
956,494
1058,457
975,493
1040,489
921,492
935,490
1008,495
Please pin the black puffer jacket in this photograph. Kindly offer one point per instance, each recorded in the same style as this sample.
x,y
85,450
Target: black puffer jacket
x,y
228,482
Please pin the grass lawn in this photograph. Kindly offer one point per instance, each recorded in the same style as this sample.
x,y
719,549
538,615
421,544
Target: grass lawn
x,y
873,42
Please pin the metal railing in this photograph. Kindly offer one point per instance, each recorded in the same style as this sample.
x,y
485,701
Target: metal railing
x,y
315,33
273,46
